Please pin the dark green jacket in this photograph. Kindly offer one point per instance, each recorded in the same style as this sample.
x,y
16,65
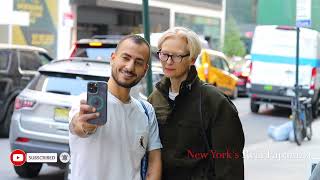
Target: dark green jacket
x,y
219,136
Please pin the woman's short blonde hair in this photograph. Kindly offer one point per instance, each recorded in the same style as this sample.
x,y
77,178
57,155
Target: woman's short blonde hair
x,y
193,42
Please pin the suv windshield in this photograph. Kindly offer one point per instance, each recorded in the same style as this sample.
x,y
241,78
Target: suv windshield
x,y
61,83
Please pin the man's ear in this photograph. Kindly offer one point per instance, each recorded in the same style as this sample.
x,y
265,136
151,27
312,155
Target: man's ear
x,y
113,57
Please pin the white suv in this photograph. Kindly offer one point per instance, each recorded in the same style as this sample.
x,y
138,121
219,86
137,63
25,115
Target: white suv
x,y
40,119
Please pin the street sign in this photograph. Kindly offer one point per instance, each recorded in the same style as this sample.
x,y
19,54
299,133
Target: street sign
x,y
303,13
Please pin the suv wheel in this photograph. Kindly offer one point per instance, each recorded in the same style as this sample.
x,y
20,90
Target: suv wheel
x,y
254,107
5,125
28,170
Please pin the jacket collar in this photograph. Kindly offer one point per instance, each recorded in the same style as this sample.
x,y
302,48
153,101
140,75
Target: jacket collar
x,y
186,85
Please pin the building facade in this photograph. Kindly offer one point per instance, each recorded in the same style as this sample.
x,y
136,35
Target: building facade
x,y
56,24
206,17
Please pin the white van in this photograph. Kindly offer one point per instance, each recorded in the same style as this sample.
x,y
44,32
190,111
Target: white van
x,y
273,69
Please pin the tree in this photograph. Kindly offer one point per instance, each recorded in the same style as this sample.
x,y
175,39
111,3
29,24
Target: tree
x,y
233,45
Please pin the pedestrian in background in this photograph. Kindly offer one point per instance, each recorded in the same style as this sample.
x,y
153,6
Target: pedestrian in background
x,y
193,117
114,151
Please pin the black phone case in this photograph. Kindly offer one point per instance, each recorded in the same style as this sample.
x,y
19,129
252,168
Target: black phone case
x,y
99,101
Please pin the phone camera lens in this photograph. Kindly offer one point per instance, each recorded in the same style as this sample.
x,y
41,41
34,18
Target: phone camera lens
x,y
92,87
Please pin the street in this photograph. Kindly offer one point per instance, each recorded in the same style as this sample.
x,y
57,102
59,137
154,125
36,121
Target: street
x,y
254,125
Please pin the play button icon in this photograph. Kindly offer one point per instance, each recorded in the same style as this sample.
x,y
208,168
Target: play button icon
x,y
18,157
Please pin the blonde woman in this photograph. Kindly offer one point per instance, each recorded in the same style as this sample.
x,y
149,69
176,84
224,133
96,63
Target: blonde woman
x,y
199,127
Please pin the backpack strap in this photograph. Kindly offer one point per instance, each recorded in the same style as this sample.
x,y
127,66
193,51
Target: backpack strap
x,y
144,160
145,109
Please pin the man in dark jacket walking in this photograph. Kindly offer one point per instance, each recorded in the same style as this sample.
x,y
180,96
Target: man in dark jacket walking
x,y
199,127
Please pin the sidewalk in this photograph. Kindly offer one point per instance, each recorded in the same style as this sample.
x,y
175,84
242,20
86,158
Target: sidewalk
x,y
282,160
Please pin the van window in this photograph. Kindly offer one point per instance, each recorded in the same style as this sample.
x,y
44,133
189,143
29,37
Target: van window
x,y
29,61
4,59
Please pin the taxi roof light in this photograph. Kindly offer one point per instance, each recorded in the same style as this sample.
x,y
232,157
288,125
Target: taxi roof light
x,y
95,44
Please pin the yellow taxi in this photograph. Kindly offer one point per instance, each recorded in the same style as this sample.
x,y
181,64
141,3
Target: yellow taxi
x,y
213,68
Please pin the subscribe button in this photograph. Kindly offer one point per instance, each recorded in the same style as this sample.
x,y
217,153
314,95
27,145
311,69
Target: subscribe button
x,y
42,157
19,157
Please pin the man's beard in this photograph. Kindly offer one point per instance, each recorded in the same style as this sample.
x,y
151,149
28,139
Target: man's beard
x,y
125,85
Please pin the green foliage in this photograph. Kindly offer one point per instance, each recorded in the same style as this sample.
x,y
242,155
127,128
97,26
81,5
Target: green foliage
x,y
233,45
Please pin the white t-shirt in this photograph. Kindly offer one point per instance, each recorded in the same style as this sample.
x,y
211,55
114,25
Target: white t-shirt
x,y
173,95
114,151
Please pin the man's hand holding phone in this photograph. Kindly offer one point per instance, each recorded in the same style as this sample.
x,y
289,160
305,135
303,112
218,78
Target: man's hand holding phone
x,y
92,113
80,124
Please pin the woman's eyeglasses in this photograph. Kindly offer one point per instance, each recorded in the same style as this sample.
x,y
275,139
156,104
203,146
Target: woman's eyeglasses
x,y
175,58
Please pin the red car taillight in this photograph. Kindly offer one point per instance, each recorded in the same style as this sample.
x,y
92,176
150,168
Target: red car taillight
x,y
248,80
313,78
22,139
23,103
250,67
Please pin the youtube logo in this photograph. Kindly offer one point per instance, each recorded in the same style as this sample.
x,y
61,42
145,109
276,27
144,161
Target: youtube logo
x,y
18,157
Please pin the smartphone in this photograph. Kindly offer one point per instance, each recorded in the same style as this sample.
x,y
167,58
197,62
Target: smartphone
x,y
97,93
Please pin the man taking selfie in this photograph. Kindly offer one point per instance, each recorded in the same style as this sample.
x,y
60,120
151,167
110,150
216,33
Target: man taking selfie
x,y
114,151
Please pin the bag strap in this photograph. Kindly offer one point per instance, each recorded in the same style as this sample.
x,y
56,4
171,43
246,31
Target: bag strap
x,y
204,131
145,109
144,160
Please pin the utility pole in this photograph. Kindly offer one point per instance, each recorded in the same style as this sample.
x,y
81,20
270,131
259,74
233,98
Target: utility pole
x,y
146,27
297,68
303,19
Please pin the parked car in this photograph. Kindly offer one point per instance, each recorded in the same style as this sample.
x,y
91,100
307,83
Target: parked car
x,y
18,65
40,119
214,69
242,70
97,47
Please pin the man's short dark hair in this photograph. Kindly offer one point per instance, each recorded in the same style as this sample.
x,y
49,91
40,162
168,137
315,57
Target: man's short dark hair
x,y
136,39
